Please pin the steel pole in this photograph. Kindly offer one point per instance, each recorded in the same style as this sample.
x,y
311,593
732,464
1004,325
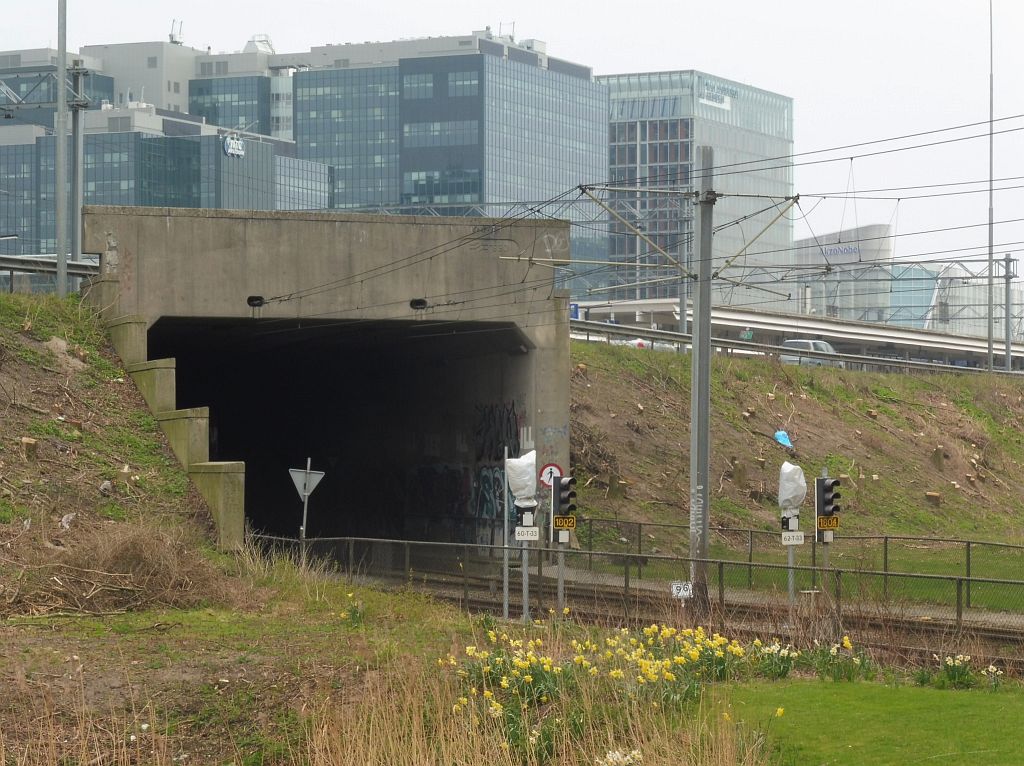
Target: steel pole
x,y
991,119
561,578
700,382
1007,313
504,542
77,164
791,580
991,303
305,509
824,542
60,191
526,582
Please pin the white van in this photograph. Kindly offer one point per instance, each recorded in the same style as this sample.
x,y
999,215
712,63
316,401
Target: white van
x,y
798,345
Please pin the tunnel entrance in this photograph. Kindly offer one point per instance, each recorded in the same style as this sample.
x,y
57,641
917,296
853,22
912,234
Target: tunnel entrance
x,y
408,419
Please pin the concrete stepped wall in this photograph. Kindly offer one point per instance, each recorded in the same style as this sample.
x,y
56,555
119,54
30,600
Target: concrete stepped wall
x,y
222,484
157,380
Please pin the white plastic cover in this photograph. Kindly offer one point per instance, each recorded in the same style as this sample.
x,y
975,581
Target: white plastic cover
x,y
792,486
522,478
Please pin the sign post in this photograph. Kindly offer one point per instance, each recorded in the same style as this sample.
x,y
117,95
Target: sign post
x,y
526,571
305,482
792,491
562,525
524,533
504,541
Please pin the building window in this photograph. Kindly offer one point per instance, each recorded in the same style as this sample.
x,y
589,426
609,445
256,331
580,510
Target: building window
x,y
220,67
151,62
418,86
463,84
206,68
456,133
177,87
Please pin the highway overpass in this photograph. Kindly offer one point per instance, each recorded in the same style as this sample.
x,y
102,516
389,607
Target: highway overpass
x,y
848,337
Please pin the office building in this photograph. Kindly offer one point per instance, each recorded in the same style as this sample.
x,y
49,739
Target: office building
x,y
656,121
248,90
472,124
477,124
139,155
852,274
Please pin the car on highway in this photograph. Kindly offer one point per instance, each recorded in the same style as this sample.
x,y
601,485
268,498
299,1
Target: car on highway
x,y
655,345
800,348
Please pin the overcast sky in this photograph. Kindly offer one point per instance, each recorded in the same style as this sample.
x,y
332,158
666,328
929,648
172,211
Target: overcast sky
x,y
857,71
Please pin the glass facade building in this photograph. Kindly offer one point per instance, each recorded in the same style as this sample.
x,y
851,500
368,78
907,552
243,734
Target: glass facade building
x,y
18,203
451,133
348,118
655,122
135,168
302,184
241,103
40,87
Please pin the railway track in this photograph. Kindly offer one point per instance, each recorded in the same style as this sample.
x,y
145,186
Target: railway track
x,y
898,638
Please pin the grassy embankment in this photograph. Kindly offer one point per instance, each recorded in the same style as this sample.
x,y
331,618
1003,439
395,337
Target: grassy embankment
x,y
126,638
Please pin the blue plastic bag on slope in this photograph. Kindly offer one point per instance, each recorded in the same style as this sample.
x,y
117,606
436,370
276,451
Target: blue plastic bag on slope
x,y
783,438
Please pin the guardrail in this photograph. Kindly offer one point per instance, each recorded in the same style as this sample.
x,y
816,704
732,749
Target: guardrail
x,y
31,264
681,341
602,585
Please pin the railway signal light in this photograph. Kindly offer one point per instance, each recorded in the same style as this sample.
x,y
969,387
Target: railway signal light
x,y
565,496
826,497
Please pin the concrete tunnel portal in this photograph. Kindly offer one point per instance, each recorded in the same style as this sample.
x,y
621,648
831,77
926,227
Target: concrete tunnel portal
x,y
371,402
400,353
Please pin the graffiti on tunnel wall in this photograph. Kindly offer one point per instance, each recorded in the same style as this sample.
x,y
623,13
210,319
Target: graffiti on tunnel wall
x,y
490,483
487,505
467,498
497,427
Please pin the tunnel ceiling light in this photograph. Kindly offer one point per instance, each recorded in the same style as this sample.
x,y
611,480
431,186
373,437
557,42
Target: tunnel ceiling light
x,y
255,301
418,304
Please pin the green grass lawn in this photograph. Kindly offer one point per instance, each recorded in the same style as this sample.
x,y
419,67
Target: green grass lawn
x,y
870,723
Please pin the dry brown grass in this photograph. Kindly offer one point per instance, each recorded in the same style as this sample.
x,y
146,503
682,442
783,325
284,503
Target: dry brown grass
x,y
106,568
404,718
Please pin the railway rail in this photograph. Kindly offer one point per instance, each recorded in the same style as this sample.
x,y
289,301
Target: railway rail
x,y
471,577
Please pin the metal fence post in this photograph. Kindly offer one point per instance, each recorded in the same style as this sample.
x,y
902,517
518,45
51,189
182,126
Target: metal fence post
x,y
750,558
968,563
465,577
814,561
839,599
639,550
540,582
721,592
408,562
885,568
625,586
590,544
959,602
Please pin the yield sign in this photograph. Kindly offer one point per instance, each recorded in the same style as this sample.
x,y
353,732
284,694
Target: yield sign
x,y
305,480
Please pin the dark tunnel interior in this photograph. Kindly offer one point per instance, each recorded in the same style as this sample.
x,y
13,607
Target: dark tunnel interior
x,y
351,396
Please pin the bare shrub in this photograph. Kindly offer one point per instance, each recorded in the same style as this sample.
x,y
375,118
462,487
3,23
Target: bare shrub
x,y
108,568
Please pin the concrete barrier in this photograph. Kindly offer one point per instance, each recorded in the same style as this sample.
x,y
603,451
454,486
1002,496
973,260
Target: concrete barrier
x,y
222,485
156,380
